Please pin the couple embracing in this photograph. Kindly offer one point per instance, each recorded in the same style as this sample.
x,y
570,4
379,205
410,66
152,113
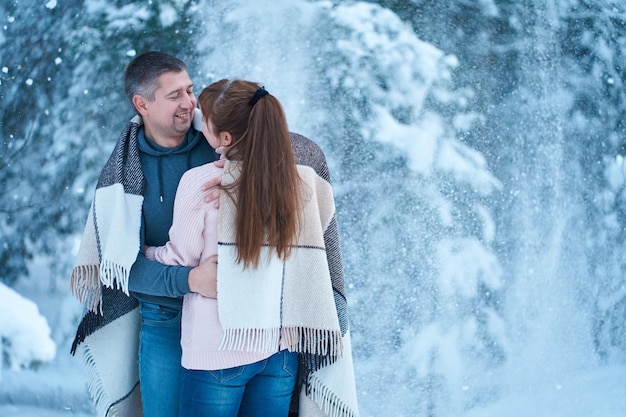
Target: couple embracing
x,y
210,265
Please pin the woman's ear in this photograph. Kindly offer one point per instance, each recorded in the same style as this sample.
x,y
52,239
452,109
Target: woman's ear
x,y
227,138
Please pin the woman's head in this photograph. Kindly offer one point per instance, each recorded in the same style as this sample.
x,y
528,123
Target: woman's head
x,y
267,188
238,107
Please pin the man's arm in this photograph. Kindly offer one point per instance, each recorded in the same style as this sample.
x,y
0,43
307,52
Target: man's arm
x,y
152,278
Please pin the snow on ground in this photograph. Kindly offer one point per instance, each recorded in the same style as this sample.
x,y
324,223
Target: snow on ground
x,y
598,392
58,389
24,331
53,391
55,388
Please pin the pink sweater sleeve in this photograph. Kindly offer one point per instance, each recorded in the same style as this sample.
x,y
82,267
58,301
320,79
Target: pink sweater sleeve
x,y
193,235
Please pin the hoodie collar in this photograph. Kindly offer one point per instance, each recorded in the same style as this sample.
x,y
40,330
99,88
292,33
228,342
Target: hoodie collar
x,y
151,148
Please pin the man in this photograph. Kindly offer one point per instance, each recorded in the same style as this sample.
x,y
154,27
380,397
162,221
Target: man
x,y
133,207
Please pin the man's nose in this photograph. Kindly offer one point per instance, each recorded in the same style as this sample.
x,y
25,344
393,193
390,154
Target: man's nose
x,y
188,100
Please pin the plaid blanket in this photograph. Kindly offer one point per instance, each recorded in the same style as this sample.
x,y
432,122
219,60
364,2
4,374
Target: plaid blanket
x,y
107,337
327,381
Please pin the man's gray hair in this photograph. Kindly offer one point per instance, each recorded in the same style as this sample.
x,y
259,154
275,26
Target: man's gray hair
x,y
140,77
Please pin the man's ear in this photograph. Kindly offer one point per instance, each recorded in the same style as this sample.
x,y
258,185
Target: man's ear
x,y
140,104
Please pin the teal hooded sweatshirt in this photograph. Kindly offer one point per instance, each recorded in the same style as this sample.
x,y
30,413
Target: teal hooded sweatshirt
x,y
151,281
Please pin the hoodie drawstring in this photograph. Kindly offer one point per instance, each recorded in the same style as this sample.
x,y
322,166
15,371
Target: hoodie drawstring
x,y
160,179
160,173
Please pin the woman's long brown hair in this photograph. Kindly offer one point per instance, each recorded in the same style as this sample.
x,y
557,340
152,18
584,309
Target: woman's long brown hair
x,y
267,190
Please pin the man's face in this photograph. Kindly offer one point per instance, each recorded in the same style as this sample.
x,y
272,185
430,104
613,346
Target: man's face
x,y
168,117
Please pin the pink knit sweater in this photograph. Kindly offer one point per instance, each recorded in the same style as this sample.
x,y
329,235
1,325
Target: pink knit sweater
x,y
193,239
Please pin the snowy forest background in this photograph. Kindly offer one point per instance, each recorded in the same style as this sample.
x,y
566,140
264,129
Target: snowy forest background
x,y
477,154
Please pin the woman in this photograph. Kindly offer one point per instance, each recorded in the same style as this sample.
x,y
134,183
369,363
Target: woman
x,y
275,306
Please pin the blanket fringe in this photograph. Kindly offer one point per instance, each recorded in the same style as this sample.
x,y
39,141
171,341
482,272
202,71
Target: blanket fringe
x,y
329,402
321,342
250,340
86,280
113,274
95,385
85,286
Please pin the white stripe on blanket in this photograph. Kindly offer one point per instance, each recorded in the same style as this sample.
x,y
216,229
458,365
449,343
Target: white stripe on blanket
x,y
330,390
118,230
249,301
102,354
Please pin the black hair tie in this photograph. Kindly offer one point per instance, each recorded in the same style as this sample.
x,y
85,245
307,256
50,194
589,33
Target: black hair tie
x,y
258,94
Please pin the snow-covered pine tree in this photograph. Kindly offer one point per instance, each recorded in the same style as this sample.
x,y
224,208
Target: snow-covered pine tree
x,y
415,232
62,108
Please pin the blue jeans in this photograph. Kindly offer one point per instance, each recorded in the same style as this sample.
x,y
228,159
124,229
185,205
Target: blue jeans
x,y
262,388
159,360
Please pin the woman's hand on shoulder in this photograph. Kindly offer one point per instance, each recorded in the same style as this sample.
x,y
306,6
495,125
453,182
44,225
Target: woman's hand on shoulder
x,y
212,191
